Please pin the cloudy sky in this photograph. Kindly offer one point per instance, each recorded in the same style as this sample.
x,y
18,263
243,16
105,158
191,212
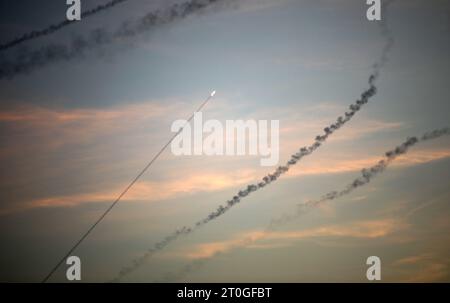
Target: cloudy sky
x,y
74,133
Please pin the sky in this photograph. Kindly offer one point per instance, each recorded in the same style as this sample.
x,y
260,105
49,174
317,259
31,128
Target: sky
x,y
74,133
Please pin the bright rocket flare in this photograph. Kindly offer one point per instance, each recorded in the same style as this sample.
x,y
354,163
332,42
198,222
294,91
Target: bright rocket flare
x,y
213,93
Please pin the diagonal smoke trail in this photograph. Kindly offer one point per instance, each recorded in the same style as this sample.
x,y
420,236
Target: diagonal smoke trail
x,y
57,26
222,209
320,139
268,179
27,61
367,174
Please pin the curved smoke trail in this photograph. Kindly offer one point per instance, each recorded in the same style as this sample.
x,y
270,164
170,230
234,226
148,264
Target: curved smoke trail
x,y
27,60
268,179
57,26
367,174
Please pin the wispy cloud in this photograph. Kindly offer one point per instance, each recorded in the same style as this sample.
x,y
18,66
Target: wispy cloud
x,y
424,267
72,125
221,179
360,230
414,259
336,166
150,191
361,129
36,131
431,272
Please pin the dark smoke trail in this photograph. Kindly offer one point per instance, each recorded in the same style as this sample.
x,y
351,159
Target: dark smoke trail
x,y
304,151
57,26
367,174
29,60
327,131
268,179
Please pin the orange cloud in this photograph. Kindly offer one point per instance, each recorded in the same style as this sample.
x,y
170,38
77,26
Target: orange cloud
x,y
58,127
361,230
424,267
431,272
45,116
152,191
365,128
414,259
334,166
48,129
192,183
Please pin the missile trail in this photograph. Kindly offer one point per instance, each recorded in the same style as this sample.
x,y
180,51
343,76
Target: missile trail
x,y
270,178
367,174
126,189
295,158
57,26
26,60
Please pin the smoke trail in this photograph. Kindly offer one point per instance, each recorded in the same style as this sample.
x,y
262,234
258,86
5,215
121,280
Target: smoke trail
x,y
57,26
367,174
268,179
222,209
387,34
327,131
29,60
